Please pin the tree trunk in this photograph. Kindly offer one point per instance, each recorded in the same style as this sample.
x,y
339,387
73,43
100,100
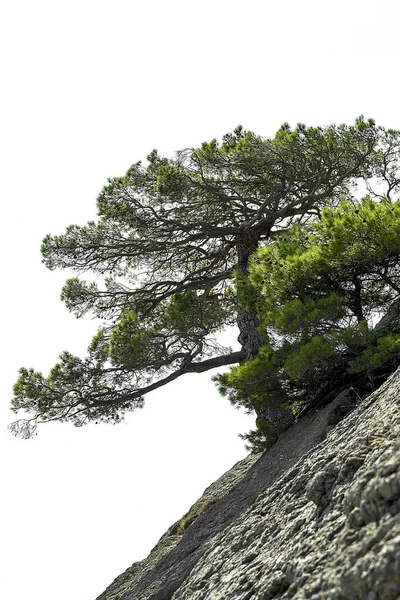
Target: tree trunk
x,y
275,418
390,320
247,319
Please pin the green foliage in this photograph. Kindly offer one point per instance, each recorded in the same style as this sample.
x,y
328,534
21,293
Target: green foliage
x,y
263,437
169,261
385,351
320,290
190,314
255,382
301,319
258,384
75,390
312,359
246,292
356,244
135,346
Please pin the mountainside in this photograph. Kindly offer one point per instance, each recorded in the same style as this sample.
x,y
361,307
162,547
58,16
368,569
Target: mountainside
x,y
316,516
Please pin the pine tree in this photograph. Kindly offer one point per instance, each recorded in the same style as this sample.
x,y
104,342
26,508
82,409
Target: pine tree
x,y
170,255
319,291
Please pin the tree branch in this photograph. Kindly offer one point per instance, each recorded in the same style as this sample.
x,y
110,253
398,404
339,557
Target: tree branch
x,y
197,367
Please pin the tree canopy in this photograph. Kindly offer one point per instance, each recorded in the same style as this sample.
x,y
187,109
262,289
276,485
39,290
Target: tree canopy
x,y
168,260
320,292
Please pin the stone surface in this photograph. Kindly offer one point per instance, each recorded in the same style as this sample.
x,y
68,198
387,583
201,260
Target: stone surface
x,y
314,517
390,320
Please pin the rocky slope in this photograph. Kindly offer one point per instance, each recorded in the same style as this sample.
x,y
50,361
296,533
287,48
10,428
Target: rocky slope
x,y
314,517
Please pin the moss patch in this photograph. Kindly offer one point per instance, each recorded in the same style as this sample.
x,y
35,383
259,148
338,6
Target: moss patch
x,y
194,513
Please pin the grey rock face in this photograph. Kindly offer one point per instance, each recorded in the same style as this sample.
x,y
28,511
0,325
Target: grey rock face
x,y
390,321
314,517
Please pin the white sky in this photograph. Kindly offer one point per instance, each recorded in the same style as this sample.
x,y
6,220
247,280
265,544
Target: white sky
x,y
88,88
